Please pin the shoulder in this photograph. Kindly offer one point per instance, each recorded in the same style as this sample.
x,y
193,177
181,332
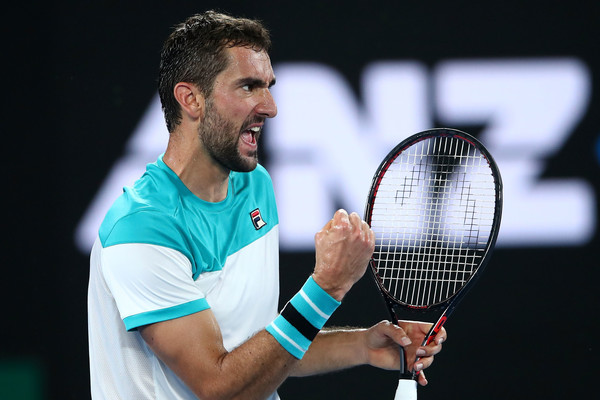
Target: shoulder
x,y
138,225
263,175
262,172
144,213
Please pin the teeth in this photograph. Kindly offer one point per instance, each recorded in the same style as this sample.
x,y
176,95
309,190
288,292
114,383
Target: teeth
x,y
256,129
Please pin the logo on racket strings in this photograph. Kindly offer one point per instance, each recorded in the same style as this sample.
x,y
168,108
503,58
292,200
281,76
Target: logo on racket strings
x,y
257,220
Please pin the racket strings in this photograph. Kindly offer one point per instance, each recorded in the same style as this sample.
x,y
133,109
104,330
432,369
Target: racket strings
x,y
432,219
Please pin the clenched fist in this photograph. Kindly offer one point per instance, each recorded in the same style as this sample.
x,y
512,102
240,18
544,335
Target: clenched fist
x,y
343,249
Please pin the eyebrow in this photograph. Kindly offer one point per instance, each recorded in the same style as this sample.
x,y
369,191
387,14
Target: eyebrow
x,y
256,82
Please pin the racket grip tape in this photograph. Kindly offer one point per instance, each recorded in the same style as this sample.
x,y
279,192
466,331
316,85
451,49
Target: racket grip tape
x,y
302,318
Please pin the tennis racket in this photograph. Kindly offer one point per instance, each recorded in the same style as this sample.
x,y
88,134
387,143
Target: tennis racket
x,y
435,206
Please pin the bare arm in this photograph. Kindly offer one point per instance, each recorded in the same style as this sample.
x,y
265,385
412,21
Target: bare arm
x,y
377,346
192,346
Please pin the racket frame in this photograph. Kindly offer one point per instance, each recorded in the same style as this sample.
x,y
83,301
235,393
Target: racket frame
x,y
450,303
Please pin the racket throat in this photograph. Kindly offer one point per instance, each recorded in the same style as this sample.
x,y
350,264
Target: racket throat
x,y
390,306
435,329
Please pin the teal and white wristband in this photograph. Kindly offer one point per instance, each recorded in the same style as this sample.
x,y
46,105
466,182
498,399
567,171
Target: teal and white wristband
x,y
302,318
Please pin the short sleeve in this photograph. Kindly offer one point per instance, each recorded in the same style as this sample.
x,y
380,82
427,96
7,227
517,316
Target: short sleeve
x,y
150,283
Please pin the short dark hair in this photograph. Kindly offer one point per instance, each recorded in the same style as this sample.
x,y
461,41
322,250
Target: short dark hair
x,y
195,53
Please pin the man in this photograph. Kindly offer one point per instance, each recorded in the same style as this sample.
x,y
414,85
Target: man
x,y
184,274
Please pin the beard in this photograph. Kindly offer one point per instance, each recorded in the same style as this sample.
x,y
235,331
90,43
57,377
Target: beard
x,y
221,140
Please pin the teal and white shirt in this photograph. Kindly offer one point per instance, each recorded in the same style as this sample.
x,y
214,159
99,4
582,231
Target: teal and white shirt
x,y
163,253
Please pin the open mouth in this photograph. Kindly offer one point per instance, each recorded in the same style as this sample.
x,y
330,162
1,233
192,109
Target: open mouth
x,y
250,135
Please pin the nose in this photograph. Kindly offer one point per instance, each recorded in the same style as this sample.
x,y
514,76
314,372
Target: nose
x,y
266,106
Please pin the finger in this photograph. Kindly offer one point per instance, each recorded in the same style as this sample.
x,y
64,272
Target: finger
x,y
355,219
364,232
435,346
397,334
341,220
365,228
441,336
340,215
423,363
356,224
370,235
431,349
327,226
422,379
331,222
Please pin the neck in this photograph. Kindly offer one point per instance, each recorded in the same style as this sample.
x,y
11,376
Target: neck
x,y
197,170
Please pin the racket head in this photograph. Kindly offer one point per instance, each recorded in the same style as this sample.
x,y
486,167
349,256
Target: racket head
x,y
435,206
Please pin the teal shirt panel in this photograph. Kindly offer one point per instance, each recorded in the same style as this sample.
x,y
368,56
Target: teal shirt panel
x,y
159,209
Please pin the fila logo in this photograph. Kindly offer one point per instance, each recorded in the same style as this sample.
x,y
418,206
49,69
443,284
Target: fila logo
x,y
257,220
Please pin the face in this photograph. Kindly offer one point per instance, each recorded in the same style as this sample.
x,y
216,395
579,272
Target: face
x,y
236,110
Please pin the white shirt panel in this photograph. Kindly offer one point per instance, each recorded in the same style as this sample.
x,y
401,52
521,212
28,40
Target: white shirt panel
x,y
243,297
146,277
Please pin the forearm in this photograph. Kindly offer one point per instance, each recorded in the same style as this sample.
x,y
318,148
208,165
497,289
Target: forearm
x,y
192,347
258,366
253,370
333,349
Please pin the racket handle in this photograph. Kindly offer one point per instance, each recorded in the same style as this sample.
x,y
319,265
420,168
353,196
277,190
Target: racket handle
x,y
407,390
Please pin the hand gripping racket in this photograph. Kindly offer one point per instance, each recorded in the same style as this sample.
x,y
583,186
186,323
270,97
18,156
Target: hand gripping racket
x,y
434,206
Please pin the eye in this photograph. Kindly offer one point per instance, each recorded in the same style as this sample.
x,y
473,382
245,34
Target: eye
x,y
248,87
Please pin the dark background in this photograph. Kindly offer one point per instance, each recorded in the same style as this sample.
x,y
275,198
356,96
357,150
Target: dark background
x,y
79,75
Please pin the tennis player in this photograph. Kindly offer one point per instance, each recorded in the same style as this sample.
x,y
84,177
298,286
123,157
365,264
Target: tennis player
x,y
184,279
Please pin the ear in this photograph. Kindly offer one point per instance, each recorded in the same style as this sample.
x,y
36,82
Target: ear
x,y
190,99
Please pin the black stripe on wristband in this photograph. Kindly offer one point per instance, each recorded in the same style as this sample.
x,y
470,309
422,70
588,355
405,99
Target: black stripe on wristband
x,y
294,317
